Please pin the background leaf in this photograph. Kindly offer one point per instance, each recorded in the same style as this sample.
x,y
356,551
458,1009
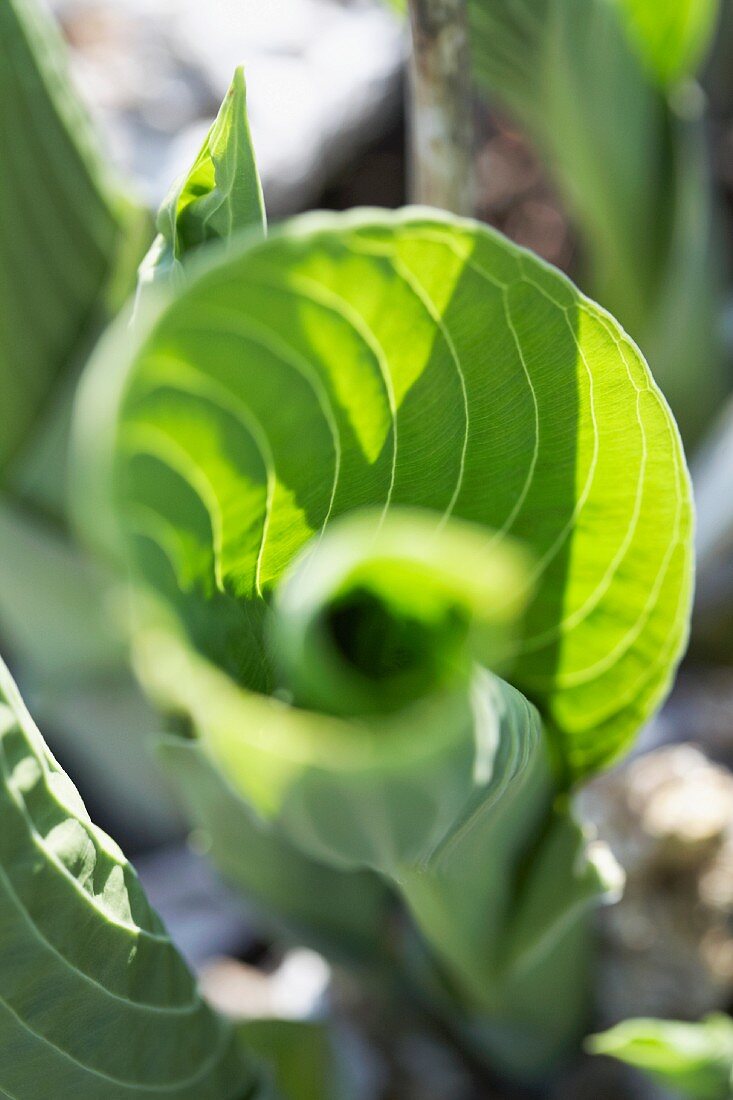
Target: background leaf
x,y
672,37
301,1056
94,999
67,243
628,154
694,1060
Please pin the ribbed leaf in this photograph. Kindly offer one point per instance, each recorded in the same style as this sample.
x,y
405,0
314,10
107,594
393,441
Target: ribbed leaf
x,y
94,999
62,223
630,163
403,360
694,1060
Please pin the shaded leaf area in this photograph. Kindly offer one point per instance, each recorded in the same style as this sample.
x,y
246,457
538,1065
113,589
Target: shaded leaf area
x,y
63,225
381,360
694,1060
344,915
94,998
598,87
299,1057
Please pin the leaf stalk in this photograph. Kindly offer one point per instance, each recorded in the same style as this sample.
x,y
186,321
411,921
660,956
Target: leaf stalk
x,y
441,109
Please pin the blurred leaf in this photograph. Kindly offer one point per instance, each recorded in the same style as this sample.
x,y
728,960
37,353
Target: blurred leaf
x,y
65,230
65,637
694,1060
673,36
95,999
446,809
388,609
405,359
299,1057
221,193
343,914
629,158
52,602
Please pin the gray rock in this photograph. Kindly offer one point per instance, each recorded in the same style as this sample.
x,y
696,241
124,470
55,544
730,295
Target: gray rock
x,y
324,79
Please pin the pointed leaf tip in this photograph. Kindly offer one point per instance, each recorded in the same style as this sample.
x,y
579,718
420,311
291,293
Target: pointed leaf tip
x,y
219,195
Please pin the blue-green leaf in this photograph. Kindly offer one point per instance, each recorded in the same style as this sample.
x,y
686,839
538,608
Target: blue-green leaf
x,y
94,999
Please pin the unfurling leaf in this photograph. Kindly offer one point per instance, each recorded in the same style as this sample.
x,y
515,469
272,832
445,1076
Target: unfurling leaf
x,y
358,469
386,609
416,360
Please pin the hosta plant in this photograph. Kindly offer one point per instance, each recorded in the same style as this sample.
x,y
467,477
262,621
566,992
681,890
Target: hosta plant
x,y
408,525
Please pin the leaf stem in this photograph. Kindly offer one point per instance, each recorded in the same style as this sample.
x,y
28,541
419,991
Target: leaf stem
x,y
441,106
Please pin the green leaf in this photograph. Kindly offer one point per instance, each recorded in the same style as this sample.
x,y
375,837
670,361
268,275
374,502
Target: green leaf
x,y
445,808
671,37
50,603
65,230
387,609
694,1060
418,360
344,915
94,999
300,1057
615,140
60,622
220,195
445,803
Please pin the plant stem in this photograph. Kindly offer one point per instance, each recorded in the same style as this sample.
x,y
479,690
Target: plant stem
x,y
441,106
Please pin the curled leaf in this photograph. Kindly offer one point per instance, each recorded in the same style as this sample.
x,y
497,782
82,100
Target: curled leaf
x,y
417,360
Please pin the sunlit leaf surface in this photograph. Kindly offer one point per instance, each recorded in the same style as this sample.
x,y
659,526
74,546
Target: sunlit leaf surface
x,y
380,360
